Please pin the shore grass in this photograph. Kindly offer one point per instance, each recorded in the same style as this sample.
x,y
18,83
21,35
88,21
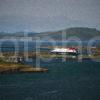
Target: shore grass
x,y
11,68
17,67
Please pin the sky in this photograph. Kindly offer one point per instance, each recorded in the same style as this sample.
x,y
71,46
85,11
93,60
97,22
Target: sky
x,y
48,15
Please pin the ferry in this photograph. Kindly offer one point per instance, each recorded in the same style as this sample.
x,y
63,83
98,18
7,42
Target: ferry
x,y
69,52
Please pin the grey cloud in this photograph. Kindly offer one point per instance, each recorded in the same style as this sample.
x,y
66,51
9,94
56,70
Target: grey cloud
x,y
44,15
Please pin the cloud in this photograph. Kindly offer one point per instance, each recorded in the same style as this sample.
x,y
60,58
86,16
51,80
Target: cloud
x,y
44,15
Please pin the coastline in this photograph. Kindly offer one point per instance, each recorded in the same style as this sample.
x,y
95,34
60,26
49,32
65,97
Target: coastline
x,y
12,68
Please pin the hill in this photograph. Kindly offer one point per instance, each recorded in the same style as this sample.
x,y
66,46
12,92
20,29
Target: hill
x,y
80,32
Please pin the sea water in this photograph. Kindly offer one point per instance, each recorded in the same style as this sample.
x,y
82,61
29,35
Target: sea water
x,y
65,80
70,80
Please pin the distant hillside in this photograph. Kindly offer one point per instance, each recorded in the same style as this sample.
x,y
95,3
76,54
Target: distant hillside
x,y
82,33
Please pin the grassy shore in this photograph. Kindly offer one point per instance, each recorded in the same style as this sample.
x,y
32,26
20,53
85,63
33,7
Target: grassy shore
x,y
6,67
12,68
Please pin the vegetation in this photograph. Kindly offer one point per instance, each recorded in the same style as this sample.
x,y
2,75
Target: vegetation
x,y
2,60
81,32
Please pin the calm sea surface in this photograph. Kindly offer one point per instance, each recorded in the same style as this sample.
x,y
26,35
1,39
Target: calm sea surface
x,y
70,80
